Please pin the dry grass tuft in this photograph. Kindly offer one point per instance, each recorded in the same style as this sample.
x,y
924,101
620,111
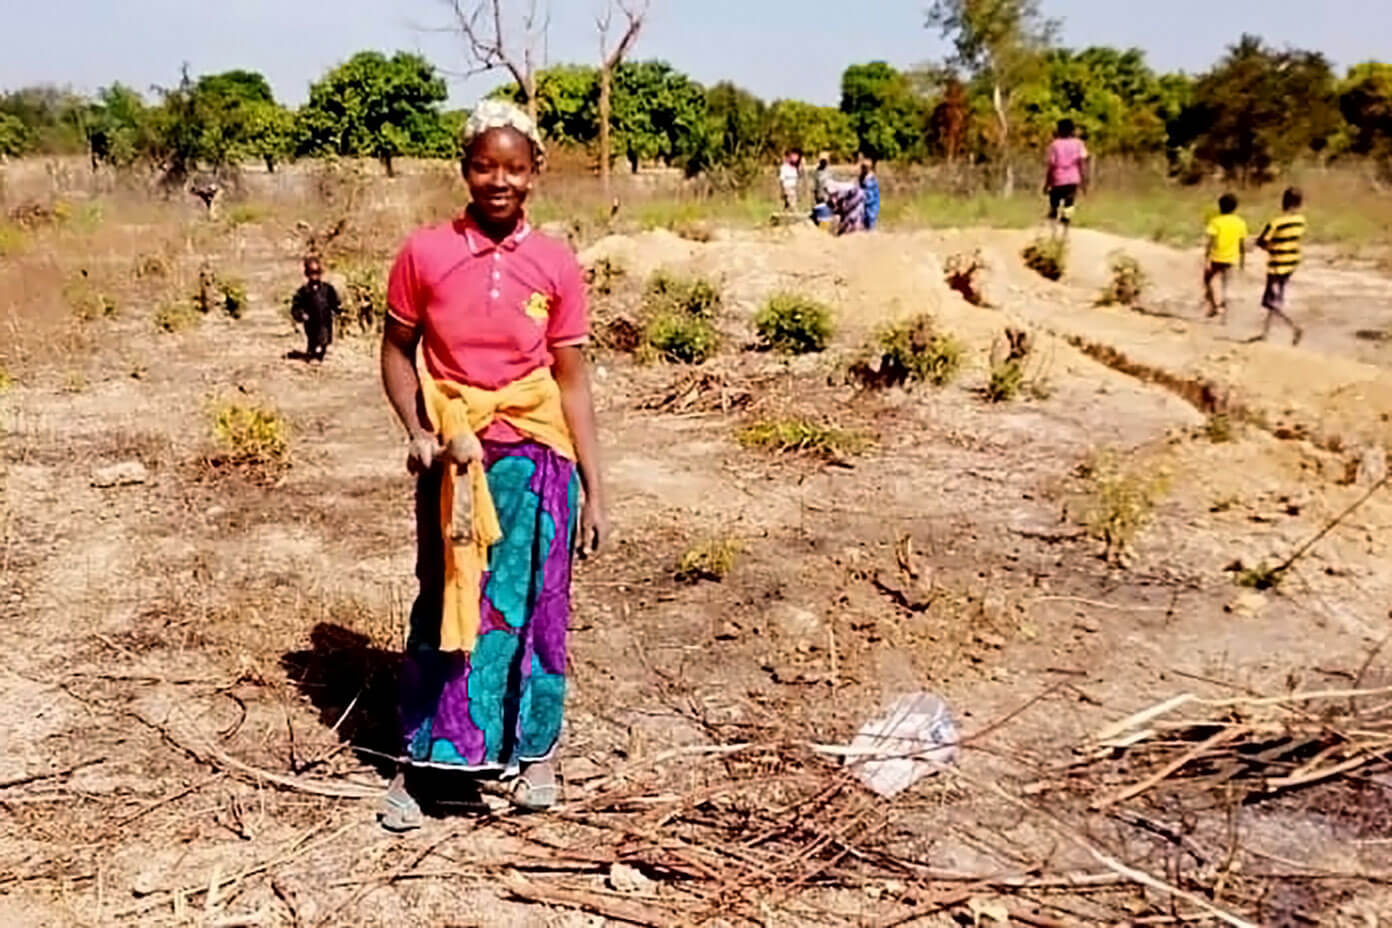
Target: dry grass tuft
x,y
801,435
710,559
1127,285
1121,499
174,316
251,436
1047,256
961,271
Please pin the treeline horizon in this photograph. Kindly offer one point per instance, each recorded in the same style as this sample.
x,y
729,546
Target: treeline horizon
x,y
1255,110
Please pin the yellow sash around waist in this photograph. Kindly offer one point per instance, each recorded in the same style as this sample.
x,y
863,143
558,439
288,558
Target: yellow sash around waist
x,y
531,405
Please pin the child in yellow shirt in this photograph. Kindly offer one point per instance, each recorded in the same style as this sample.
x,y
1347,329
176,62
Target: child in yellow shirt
x,y
1227,245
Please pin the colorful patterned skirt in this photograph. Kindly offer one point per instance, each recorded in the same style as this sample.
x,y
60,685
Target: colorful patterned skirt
x,y
499,706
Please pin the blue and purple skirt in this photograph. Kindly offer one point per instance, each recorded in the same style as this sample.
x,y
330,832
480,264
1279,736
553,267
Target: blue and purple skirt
x,y
500,706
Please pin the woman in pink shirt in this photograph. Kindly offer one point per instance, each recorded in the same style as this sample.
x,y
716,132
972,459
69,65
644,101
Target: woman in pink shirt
x,y
493,311
1066,172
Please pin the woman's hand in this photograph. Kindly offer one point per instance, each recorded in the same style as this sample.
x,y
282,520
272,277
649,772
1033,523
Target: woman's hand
x,y
422,453
594,527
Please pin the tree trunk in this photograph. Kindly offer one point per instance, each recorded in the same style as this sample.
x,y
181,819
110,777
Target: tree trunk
x,y
606,80
998,101
270,163
387,164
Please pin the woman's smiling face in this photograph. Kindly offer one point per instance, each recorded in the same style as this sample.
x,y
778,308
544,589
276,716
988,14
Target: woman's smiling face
x,y
499,167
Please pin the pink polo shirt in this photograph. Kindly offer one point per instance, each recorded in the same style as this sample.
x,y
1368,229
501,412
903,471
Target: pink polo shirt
x,y
1066,157
488,314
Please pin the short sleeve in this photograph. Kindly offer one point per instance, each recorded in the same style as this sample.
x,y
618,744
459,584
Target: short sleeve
x,y
1212,230
405,296
569,322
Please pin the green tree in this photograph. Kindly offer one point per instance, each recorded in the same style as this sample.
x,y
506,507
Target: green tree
x,y
567,98
267,133
1259,107
1365,99
15,138
659,113
810,128
1001,43
887,115
118,127
53,118
376,106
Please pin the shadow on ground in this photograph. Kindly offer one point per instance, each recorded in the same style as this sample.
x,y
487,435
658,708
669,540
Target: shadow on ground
x,y
354,686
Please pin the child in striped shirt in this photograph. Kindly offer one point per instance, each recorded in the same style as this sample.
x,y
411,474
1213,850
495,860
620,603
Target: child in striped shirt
x,y
1281,240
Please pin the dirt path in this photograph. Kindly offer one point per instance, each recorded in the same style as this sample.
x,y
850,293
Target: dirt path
x,y
159,638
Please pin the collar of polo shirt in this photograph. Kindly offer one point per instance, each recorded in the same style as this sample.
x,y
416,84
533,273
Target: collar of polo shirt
x,y
481,244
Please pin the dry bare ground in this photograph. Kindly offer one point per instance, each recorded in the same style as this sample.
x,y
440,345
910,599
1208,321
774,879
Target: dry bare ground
x,y
198,669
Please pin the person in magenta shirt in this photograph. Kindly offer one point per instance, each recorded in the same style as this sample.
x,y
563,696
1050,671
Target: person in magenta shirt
x,y
1066,172
495,310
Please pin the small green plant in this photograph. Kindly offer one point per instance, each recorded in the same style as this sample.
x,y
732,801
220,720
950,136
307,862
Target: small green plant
x,y
679,337
1261,577
912,350
1121,501
1219,428
251,435
367,297
711,559
1047,256
692,296
1007,377
234,296
960,274
603,276
6,381
793,324
176,317
800,435
1127,285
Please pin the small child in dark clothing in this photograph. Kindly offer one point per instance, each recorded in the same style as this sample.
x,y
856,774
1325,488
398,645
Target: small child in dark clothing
x,y
315,305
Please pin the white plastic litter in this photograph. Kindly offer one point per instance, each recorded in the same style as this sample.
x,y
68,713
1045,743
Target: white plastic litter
x,y
914,739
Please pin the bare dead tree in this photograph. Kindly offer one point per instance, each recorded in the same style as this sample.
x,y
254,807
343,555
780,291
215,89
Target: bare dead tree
x,y
635,12
485,29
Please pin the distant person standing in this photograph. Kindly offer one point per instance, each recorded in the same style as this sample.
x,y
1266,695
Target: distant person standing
x,y
1066,172
1281,240
822,181
871,187
788,173
1227,246
315,305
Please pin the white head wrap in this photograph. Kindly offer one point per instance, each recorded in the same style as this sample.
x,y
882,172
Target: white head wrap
x,y
499,114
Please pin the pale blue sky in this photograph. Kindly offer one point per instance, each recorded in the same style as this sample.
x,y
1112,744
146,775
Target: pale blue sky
x,y
777,48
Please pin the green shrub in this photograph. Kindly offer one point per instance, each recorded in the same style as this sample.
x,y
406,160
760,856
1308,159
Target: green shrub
x,y
176,317
912,350
234,297
1007,377
1127,284
683,338
13,238
802,436
1047,256
251,435
793,324
692,296
1121,500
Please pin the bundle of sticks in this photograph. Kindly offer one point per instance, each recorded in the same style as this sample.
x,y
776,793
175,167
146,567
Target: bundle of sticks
x,y
1259,745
